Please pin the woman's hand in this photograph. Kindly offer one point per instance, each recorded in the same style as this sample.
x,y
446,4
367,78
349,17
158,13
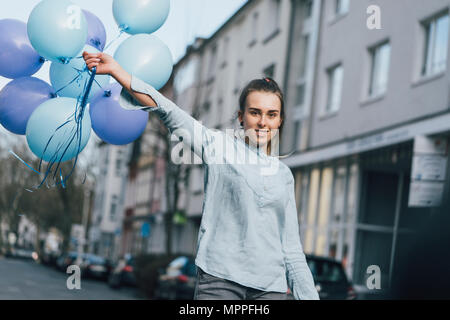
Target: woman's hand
x,y
104,63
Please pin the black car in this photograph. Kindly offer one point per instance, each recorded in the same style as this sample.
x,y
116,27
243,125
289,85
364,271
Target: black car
x,y
22,253
94,266
177,281
123,273
65,260
330,279
49,258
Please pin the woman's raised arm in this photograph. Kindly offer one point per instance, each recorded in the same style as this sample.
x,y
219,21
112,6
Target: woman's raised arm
x,y
140,95
106,64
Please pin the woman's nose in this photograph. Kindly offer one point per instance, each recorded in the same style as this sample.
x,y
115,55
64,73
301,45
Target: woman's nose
x,y
262,121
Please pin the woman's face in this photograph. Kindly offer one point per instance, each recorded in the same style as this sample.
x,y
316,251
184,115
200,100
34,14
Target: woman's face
x,y
262,114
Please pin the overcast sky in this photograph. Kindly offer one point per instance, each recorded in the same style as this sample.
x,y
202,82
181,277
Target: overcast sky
x,y
187,19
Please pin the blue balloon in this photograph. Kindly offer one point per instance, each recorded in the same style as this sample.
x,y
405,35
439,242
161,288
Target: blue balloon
x,y
42,125
96,31
146,57
57,29
18,100
17,57
62,76
112,123
140,16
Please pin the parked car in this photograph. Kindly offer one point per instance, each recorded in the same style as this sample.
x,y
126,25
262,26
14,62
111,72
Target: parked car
x,y
65,260
94,266
49,258
122,274
177,281
22,253
330,279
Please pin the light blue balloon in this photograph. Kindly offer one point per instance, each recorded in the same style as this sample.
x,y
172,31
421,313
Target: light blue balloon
x,y
57,29
62,76
140,16
43,124
146,57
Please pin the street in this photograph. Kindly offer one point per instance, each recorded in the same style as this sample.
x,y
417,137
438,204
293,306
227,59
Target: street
x,y
27,280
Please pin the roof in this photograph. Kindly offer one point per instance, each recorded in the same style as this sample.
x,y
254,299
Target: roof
x,y
200,43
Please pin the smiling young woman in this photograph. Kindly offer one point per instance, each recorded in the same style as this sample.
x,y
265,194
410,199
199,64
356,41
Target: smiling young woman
x,y
248,244
261,112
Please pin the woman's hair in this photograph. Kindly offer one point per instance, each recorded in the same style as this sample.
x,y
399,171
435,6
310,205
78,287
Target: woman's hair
x,y
265,85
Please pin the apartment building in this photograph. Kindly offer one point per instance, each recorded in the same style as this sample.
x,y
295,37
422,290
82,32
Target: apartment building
x,y
363,101
106,221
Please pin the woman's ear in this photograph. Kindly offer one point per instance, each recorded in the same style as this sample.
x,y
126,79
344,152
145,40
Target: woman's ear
x,y
240,117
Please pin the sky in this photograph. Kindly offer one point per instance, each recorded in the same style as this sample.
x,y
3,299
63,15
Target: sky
x,y
187,19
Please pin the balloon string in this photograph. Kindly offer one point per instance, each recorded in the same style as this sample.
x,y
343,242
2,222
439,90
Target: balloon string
x,y
30,167
95,80
76,133
73,80
121,31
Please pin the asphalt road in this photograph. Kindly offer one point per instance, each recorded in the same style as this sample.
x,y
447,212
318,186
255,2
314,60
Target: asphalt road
x,y
28,280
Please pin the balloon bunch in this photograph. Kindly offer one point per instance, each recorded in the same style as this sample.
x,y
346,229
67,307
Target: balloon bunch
x,y
57,119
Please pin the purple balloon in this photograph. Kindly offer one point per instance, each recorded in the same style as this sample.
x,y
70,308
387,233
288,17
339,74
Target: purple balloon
x,y
17,56
96,31
18,100
111,122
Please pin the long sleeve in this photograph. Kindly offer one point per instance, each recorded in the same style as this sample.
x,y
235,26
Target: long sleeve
x,y
298,274
178,121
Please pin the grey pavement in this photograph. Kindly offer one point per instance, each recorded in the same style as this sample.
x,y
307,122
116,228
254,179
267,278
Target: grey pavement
x,y
28,280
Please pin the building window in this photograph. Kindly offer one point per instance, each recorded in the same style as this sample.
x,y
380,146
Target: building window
x,y
335,78
238,79
254,30
226,44
212,63
436,43
206,114
308,6
342,7
304,57
297,128
301,82
300,96
269,71
207,106
273,21
380,56
118,165
113,211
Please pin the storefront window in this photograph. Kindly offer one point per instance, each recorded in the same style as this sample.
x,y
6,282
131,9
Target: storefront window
x,y
324,210
334,242
353,191
373,249
311,213
379,198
